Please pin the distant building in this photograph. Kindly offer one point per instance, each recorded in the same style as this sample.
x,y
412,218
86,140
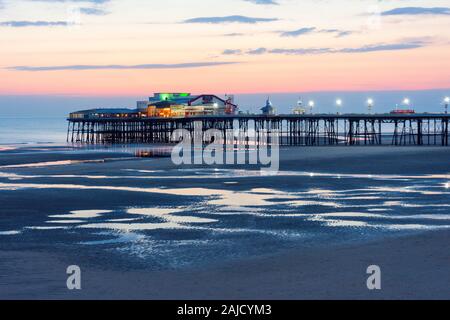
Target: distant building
x,y
299,109
269,109
105,113
166,105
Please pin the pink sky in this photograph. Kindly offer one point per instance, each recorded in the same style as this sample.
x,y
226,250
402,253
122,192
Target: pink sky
x,y
375,51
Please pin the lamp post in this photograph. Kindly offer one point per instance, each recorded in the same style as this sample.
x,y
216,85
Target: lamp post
x,y
446,102
338,105
370,103
311,105
406,102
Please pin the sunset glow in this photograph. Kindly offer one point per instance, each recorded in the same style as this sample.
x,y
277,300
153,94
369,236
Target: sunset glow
x,y
135,47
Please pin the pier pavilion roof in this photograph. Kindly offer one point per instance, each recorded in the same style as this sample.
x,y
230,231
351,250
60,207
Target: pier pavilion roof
x,y
107,111
183,98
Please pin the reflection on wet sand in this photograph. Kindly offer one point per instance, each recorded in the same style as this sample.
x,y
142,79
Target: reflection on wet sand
x,y
83,214
127,227
10,233
211,173
224,211
167,215
50,164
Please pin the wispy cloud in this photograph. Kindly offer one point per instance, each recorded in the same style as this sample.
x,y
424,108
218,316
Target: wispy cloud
x,y
417,11
24,24
309,30
93,11
234,34
97,7
232,52
406,45
120,67
257,51
229,19
263,2
297,32
385,47
300,51
338,33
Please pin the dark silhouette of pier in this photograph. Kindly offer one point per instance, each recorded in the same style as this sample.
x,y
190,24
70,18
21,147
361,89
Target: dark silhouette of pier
x,y
293,130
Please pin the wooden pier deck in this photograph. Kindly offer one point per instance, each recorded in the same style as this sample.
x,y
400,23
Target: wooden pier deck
x,y
293,130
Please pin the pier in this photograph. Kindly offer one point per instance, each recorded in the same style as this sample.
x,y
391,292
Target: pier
x,y
293,130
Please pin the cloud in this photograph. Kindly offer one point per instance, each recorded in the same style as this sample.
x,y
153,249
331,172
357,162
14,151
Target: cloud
x,y
257,51
93,11
417,11
384,47
309,30
232,52
229,19
96,9
298,32
234,34
120,67
300,51
338,33
263,2
411,44
23,24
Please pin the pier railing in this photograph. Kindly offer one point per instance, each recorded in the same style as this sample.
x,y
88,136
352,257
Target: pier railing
x,y
292,130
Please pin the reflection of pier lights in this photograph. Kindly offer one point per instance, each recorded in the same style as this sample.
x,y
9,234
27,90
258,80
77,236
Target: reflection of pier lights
x,y
311,105
446,102
339,105
370,103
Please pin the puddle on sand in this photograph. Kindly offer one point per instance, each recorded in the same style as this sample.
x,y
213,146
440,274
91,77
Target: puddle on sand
x,y
51,163
127,227
167,215
122,238
46,228
82,214
66,222
257,202
10,233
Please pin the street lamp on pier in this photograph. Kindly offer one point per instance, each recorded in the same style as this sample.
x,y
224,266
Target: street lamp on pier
x,y
339,105
406,102
311,105
370,104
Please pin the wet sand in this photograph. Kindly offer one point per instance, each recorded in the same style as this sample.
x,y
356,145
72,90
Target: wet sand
x,y
413,266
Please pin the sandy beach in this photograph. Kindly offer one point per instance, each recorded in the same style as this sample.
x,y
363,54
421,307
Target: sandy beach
x,y
380,206
414,267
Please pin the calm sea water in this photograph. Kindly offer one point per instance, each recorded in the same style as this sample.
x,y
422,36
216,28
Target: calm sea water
x,y
32,130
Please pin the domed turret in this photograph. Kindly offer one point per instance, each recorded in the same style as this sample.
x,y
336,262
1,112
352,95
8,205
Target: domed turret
x,y
268,109
299,109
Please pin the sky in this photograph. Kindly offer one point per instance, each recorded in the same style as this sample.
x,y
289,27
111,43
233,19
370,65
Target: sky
x,y
136,47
